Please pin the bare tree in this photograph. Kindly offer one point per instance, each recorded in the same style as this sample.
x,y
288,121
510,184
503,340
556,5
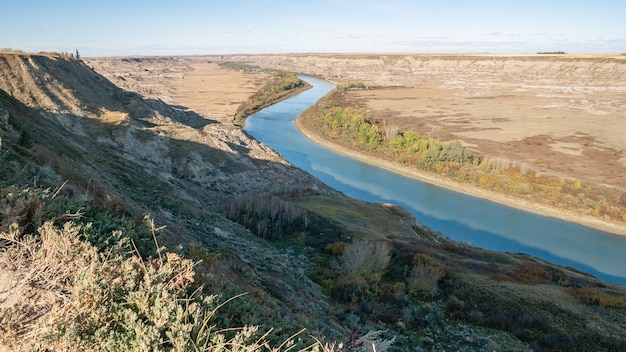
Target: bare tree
x,y
367,259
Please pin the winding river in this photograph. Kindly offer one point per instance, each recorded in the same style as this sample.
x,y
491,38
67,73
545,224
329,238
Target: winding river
x,y
461,217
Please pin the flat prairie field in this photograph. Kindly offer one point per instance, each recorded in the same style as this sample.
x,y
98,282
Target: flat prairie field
x,y
565,127
191,83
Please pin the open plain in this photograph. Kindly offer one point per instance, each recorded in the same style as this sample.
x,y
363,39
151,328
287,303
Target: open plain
x,y
187,82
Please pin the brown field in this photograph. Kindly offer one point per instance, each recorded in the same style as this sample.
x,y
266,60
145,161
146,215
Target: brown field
x,y
194,83
575,135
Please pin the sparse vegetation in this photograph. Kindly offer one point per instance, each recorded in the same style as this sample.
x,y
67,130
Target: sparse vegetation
x,y
361,266
531,274
552,53
596,296
285,85
64,54
425,276
113,295
335,119
11,51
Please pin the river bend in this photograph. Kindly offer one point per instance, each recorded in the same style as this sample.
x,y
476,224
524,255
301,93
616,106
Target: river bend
x,y
461,217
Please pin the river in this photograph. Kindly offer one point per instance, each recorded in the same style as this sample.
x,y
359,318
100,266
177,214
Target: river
x,y
461,217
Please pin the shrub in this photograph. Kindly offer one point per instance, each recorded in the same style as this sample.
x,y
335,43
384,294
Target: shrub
x,y
349,288
360,267
80,298
529,273
25,141
366,259
372,341
63,294
595,297
335,248
425,276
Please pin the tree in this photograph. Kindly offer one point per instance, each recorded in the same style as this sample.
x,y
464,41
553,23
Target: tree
x,y
25,140
366,259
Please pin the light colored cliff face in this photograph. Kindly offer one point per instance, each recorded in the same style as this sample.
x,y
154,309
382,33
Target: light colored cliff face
x,y
408,70
36,81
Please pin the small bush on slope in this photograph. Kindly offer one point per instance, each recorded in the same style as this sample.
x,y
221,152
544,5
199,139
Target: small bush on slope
x,y
80,299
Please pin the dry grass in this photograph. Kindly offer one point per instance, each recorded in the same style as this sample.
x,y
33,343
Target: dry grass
x,y
38,272
575,134
60,292
205,87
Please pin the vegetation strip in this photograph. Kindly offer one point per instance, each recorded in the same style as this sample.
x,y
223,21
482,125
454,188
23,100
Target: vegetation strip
x,y
285,85
500,180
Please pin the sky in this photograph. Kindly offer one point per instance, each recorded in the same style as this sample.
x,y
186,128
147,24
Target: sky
x,y
189,27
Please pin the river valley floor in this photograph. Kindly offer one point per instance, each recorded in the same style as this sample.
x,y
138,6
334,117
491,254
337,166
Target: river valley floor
x,y
584,91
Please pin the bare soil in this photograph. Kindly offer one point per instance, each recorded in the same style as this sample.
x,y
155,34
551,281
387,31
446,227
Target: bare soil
x,y
573,135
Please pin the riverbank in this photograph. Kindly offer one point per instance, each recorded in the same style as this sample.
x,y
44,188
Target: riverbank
x,y
504,199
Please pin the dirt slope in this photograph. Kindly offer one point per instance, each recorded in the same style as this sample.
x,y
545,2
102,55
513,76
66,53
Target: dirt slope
x,y
116,147
144,129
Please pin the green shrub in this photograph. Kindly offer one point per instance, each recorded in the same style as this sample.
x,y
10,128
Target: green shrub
x,y
425,275
360,267
336,248
25,141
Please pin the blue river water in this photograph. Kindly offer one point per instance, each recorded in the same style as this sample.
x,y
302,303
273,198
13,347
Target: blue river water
x,y
460,217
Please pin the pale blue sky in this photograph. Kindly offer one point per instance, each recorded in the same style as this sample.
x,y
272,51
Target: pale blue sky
x,y
158,27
